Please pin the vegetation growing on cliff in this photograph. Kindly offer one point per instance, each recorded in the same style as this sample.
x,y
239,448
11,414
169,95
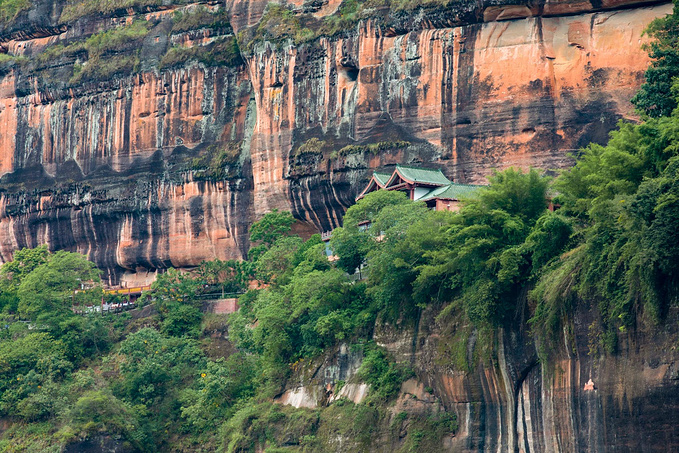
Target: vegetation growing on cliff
x,y
613,241
10,9
278,24
151,382
76,9
198,18
221,52
296,25
111,53
622,198
218,162
373,148
654,98
191,34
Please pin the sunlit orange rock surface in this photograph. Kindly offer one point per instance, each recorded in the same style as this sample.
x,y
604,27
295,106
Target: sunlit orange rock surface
x,y
109,168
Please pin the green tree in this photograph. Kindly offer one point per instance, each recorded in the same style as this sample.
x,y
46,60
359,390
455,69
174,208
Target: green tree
x,y
517,193
382,373
311,256
23,263
271,227
221,385
47,295
176,298
51,287
13,272
351,247
232,276
352,244
182,320
26,364
175,287
484,261
408,232
369,206
151,367
99,411
658,95
277,263
623,197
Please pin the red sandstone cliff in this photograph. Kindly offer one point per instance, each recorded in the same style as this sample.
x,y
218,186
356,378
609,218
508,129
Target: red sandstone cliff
x,y
140,137
470,98
99,153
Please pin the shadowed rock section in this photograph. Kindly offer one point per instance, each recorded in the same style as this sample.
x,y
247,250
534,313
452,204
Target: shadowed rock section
x,y
121,168
580,400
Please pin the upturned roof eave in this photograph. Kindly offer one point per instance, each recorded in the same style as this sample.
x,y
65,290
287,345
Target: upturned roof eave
x,y
400,175
376,176
372,181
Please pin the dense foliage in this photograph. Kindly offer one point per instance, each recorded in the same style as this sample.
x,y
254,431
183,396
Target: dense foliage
x,y
10,9
654,97
171,377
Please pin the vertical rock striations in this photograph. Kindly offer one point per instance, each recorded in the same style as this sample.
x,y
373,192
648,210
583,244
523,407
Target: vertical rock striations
x,y
580,399
139,169
471,98
149,123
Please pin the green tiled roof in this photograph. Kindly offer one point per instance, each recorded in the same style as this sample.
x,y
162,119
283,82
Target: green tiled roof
x,y
423,175
452,191
382,178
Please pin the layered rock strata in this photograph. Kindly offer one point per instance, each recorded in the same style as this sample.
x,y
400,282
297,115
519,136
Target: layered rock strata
x,y
135,136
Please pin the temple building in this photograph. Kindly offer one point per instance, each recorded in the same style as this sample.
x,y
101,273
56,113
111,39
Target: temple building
x,y
422,184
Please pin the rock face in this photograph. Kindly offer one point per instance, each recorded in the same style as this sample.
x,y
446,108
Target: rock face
x,y
145,147
506,399
469,98
580,399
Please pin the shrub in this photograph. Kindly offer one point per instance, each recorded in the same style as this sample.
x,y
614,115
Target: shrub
x,y
311,146
59,50
217,163
106,56
10,9
221,52
76,9
182,320
270,424
278,24
101,69
373,148
384,376
198,18
116,39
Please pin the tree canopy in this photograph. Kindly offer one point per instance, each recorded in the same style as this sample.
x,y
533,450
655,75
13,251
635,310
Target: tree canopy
x,y
658,94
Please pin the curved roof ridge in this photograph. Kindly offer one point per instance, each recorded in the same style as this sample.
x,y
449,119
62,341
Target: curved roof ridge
x,y
428,176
